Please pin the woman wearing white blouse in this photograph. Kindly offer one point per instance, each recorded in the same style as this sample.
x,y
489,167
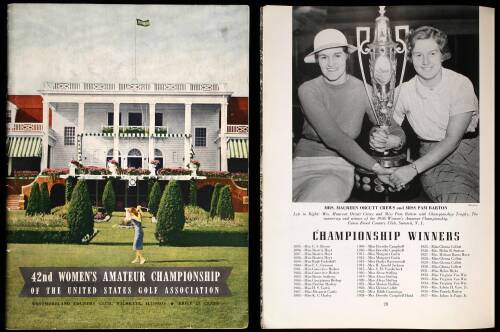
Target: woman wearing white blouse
x,y
441,107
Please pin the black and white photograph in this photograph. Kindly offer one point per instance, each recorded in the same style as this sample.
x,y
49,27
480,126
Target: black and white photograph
x,y
385,104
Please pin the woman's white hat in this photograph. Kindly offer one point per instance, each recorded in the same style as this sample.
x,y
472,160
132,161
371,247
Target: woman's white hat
x,y
328,38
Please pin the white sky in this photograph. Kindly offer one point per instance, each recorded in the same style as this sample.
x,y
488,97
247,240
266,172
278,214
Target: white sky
x,y
95,43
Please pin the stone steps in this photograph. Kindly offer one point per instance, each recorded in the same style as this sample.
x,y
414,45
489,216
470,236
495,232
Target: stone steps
x,y
12,202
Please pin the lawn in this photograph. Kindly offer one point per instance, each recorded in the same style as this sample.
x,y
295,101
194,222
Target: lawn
x,y
206,243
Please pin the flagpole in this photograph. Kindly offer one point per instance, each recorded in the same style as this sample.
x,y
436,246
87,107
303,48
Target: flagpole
x,y
135,52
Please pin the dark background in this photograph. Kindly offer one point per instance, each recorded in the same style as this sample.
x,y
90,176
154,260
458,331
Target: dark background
x,y
460,23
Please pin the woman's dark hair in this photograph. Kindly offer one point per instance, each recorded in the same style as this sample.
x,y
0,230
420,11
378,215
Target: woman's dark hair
x,y
428,32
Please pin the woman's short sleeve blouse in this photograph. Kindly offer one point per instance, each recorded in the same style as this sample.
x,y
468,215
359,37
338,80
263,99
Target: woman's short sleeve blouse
x,y
428,110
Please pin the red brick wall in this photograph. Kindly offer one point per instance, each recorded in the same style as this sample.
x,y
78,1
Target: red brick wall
x,y
238,111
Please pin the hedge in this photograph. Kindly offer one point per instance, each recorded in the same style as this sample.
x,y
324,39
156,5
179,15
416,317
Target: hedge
x,y
170,217
80,216
193,193
215,199
154,199
70,185
34,200
44,199
225,208
109,197
38,236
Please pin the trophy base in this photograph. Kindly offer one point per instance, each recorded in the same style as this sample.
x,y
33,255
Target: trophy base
x,y
369,188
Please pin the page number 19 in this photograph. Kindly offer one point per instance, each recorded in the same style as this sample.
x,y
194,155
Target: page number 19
x,y
386,304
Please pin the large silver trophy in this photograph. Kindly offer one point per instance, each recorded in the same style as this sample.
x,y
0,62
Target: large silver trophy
x,y
383,93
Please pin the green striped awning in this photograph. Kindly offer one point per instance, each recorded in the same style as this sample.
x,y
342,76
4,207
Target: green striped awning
x,y
24,146
237,148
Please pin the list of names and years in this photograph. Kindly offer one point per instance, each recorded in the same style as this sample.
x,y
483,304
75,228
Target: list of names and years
x,y
381,270
441,271
316,272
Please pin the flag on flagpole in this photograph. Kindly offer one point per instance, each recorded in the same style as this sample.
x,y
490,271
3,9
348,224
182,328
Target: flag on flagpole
x,y
143,23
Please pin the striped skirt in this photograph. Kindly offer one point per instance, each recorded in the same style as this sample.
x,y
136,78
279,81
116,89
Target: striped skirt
x,y
456,178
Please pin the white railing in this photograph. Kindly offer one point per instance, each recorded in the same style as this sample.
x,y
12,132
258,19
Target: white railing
x,y
140,129
134,87
237,129
25,127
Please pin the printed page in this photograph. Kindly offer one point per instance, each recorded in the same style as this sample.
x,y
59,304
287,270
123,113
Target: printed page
x,y
342,248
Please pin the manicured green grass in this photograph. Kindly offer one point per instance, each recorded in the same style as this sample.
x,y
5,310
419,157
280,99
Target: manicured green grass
x,y
206,243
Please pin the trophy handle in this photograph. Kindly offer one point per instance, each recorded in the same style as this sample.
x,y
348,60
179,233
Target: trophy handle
x,y
401,48
361,45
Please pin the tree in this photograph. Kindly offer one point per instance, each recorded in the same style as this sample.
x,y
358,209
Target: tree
x,y
34,201
215,199
70,185
171,217
151,182
80,216
109,197
154,198
44,199
193,193
225,208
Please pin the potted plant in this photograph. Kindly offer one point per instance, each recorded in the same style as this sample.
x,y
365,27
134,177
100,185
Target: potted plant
x,y
153,164
194,165
73,166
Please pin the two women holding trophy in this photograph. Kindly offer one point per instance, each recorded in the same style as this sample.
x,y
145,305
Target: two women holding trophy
x,y
440,105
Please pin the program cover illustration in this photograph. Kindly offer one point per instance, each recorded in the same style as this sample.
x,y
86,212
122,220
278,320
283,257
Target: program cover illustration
x,y
127,166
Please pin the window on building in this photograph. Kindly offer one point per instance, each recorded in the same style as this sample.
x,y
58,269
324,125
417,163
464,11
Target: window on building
x,y
174,157
135,119
158,119
159,157
9,116
200,136
134,158
109,156
69,135
111,119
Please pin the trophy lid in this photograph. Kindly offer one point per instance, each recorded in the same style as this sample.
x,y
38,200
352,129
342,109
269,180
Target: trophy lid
x,y
382,34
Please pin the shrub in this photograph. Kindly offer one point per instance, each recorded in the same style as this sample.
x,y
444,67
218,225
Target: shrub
x,y
47,221
44,199
34,200
154,198
170,214
195,213
225,205
193,193
109,197
60,211
151,182
80,216
215,199
70,185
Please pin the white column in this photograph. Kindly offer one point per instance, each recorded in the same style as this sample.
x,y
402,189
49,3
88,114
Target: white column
x,y
151,132
45,136
116,130
81,118
9,166
223,140
187,130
